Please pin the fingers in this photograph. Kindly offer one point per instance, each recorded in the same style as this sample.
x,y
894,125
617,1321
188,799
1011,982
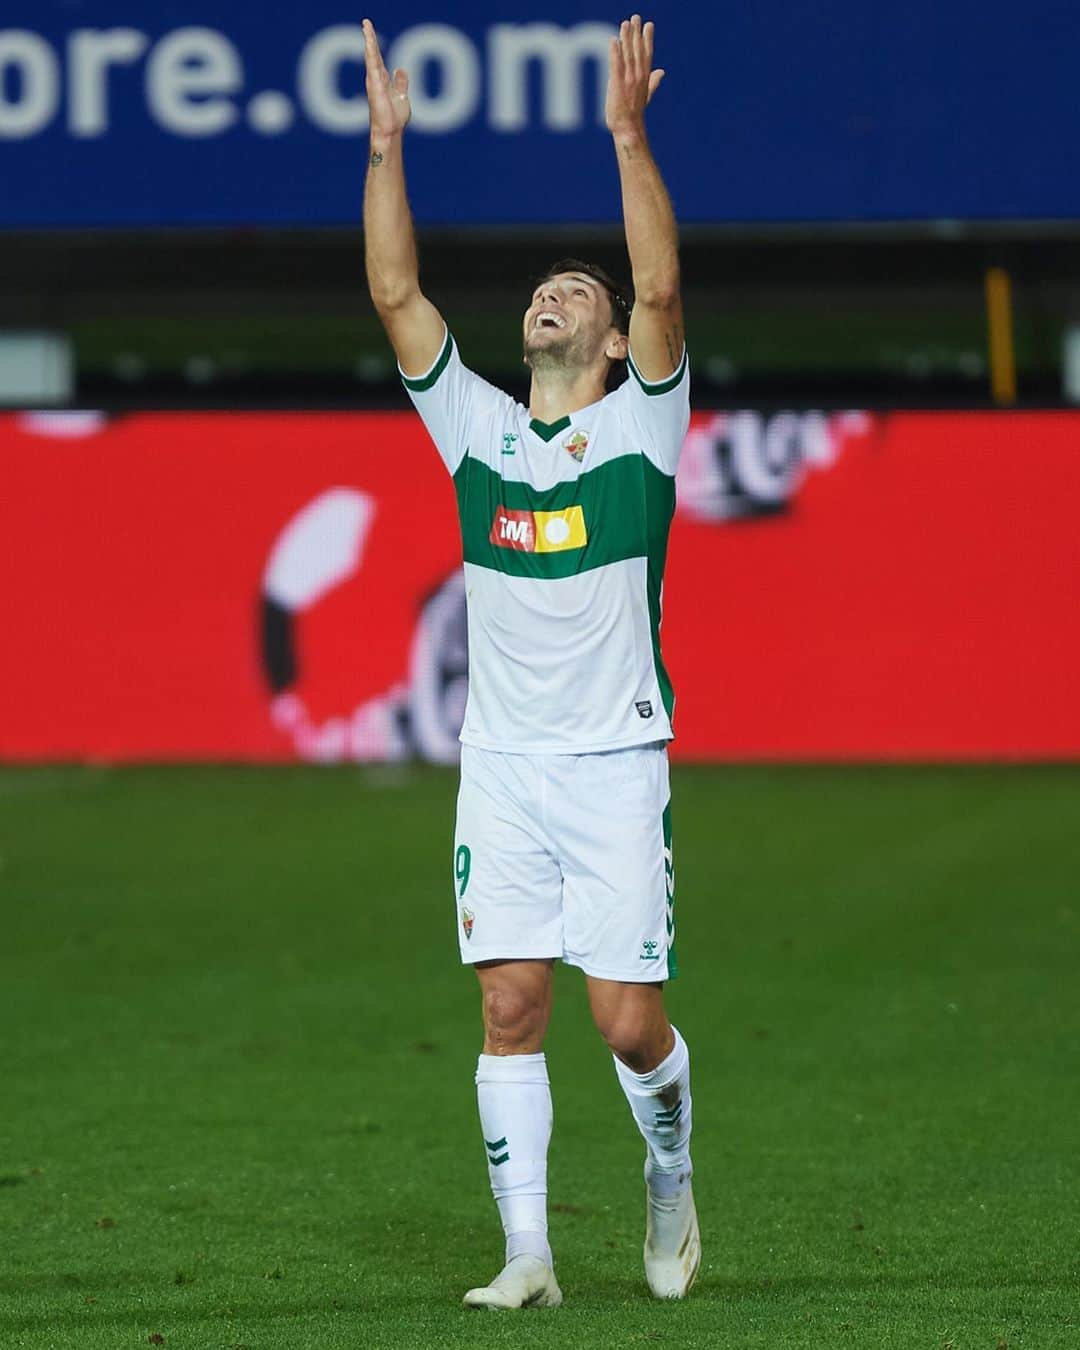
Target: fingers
x,y
654,82
401,82
625,69
636,45
372,56
628,45
618,65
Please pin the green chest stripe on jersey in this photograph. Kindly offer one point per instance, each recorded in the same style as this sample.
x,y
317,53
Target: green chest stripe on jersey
x,y
627,506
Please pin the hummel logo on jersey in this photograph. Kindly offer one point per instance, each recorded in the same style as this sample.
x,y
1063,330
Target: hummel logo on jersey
x,y
539,531
509,437
648,950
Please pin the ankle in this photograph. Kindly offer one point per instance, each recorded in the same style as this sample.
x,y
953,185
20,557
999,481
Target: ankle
x,y
667,1183
529,1242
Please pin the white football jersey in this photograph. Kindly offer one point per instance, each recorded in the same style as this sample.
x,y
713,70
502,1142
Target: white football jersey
x,y
564,530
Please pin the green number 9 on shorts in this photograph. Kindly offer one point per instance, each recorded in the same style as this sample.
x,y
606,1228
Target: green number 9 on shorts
x,y
462,868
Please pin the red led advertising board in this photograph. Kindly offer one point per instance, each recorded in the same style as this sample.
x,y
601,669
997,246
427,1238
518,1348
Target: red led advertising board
x,y
281,586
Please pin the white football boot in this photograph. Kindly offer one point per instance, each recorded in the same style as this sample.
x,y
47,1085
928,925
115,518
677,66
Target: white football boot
x,y
524,1282
672,1244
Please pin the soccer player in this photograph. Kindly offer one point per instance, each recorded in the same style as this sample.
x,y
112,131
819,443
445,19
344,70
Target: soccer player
x,y
563,839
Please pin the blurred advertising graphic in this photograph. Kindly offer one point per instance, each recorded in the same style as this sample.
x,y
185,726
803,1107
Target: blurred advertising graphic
x,y
123,114
273,587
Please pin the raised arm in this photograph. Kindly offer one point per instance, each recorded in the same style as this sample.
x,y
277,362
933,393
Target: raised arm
x,y
656,321
413,324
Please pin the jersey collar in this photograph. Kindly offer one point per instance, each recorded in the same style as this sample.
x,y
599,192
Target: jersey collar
x,y
547,430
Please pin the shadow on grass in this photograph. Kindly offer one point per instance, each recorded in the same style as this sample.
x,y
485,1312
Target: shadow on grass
x,y
385,1309
714,1289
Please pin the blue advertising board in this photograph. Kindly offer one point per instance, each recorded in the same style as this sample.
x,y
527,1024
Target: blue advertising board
x,y
181,112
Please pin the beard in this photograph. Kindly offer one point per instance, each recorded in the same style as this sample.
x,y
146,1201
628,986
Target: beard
x,y
558,354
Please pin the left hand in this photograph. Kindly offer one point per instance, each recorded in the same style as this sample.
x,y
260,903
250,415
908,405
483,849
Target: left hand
x,y
388,96
631,78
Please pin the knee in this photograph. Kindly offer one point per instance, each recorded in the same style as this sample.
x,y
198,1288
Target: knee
x,y
626,1034
639,1039
513,1020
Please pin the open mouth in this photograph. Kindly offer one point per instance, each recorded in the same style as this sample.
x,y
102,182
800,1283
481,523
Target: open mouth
x,y
546,319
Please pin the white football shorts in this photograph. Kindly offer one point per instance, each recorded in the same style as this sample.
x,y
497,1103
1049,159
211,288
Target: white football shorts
x,y
567,856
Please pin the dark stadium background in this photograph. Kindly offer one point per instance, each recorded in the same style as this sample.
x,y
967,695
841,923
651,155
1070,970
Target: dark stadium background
x,y
238,1048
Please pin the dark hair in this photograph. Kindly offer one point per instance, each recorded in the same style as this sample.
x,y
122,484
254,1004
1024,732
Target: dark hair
x,y
620,302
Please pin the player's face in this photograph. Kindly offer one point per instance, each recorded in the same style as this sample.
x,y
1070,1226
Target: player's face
x,y
568,321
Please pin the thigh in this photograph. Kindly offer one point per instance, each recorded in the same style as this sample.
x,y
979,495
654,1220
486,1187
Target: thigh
x,y
507,884
614,846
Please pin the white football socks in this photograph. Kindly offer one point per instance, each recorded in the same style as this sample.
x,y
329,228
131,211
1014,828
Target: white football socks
x,y
514,1098
660,1101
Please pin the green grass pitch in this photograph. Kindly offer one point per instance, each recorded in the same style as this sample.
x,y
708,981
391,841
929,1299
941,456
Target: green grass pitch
x,y
238,1052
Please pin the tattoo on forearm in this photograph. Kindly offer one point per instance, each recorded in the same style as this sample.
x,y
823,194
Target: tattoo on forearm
x,y
673,338
376,159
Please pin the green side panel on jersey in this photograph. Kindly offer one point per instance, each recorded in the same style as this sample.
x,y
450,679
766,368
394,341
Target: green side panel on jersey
x,y
669,872
655,582
627,504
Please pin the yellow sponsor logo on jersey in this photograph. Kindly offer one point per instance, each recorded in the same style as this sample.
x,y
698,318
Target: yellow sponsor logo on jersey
x,y
558,530
539,531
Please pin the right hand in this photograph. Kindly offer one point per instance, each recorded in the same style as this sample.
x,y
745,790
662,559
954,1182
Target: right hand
x,y
388,99
631,79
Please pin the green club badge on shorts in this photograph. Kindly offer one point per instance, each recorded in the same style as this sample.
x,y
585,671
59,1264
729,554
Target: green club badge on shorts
x,y
468,918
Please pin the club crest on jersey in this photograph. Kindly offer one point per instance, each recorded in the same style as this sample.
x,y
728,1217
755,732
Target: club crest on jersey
x,y
539,531
468,918
576,445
